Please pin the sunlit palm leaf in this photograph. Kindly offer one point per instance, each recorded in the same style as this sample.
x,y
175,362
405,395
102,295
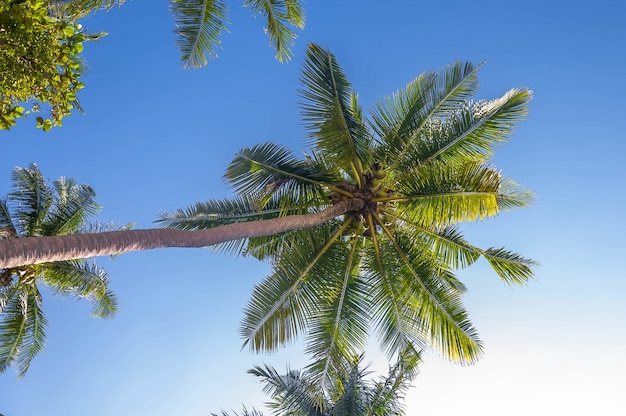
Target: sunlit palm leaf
x,y
199,24
443,194
334,129
402,119
437,306
280,14
471,131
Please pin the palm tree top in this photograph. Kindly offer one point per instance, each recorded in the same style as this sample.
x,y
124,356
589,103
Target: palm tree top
x,y
418,167
34,208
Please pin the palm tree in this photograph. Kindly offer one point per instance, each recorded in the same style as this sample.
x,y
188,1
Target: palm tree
x,y
364,231
200,23
420,167
351,393
35,209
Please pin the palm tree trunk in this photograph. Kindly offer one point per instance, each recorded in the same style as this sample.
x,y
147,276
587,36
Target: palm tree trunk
x,y
15,252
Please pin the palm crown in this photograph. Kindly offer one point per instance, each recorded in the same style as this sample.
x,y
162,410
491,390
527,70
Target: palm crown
x,y
351,394
418,167
34,208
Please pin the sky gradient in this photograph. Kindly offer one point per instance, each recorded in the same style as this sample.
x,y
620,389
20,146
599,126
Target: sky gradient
x,y
156,137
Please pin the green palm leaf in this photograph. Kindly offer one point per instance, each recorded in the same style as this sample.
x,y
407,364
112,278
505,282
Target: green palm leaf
x,y
22,330
335,129
280,14
384,397
511,267
199,25
292,393
444,194
471,131
269,167
339,329
30,199
434,305
282,304
402,119
82,279
7,229
73,206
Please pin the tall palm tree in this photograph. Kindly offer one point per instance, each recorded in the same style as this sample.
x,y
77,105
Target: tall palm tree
x,y
420,167
33,208
362,232
351,393
200,23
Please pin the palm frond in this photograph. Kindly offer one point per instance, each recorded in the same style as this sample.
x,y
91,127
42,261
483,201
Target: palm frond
x,y
245,412
385,398
471,131
513,195
291,393
443,194
72,207
437,307
282,304
339,329
30,199
401,120
83,279
22,330
199,25
350,397
216,212
333,127
511,267
280,14
7,228
268,167
448,244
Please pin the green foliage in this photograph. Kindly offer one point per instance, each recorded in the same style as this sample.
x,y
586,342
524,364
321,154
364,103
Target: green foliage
x,y
420,166
39,62
32,209
200,24
352,392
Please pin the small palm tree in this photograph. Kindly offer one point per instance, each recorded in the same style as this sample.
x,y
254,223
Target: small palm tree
x,y
33,208
200,23
351,394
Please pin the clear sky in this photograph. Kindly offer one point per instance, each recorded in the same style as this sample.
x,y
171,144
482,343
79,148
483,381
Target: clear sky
x,y
156,137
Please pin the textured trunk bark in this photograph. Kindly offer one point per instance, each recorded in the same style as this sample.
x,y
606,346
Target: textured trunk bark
x,y
17,252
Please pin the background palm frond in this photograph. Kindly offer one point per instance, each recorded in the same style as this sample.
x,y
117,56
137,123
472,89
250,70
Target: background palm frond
x,y
280,14
199,25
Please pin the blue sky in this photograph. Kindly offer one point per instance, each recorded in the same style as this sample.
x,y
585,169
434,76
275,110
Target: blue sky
x,y
156,138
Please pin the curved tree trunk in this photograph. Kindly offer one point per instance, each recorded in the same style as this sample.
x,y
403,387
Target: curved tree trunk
x,y
15,252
